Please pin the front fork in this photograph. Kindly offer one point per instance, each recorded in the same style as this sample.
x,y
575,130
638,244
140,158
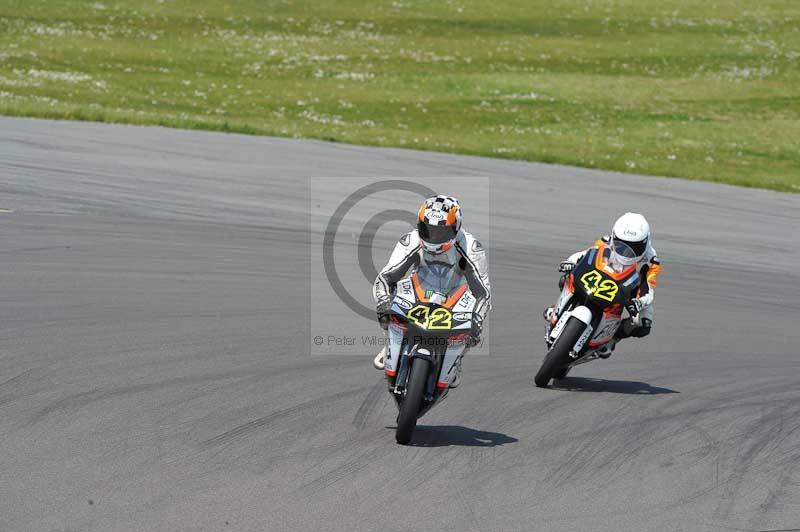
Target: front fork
x,y
547,328
562,305
397,384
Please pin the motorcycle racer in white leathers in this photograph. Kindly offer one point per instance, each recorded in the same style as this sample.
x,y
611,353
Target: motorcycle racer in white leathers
x,y
438,238
633,230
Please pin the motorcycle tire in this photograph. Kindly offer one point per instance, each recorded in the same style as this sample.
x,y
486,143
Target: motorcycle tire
x,y
561,373
409,410
558,356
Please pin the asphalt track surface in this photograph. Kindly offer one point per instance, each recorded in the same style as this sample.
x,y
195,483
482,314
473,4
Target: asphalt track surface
x,y
156,371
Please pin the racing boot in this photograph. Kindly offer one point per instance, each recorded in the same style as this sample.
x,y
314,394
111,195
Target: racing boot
x,y
549,314
607,348
377,362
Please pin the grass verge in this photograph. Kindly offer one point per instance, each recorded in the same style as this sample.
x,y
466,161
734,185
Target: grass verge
x,y
705,91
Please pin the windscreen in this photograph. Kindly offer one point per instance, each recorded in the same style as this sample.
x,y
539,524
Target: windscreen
x,y
439,277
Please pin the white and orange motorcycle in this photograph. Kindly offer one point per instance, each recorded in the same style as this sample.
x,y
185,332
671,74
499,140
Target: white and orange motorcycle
x,y
589,310
431,320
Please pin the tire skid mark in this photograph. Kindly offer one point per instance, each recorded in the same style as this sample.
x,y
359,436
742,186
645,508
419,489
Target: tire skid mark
x,y
370,404
717,406
773,502
13,382
17,377
615,447
780,462
264,421
355,463
585,448
748,455
472,520
82,399
761,455
250,453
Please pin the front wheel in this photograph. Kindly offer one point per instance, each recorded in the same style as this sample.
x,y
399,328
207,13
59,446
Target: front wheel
x,y
409,409
561,373
558,356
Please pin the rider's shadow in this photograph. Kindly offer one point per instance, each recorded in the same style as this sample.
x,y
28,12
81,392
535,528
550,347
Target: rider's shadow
x,y
454,435
584,384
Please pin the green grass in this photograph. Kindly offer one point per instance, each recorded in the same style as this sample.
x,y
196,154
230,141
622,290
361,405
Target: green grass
x,y
700,90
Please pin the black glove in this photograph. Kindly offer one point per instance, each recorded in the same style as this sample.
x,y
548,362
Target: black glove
x,y
566,267
634,306
383,313
477,330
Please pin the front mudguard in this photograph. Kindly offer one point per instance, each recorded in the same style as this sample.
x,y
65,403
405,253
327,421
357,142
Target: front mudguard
x,y
435,365
417,352
582,314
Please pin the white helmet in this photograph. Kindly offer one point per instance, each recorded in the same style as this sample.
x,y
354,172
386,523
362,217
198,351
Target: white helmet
x,y
631,231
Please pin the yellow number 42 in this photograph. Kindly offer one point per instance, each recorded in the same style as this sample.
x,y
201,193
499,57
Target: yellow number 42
x,y
603,288
439,319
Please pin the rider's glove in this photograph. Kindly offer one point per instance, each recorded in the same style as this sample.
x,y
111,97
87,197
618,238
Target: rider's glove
x,y
383,313
634,306
477,330
566,266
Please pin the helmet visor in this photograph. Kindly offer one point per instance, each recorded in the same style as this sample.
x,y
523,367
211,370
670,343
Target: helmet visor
x,y
622,254
436,234
638,248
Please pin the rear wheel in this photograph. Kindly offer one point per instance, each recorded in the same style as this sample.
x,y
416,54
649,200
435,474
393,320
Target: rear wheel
x,y
407,419
558,356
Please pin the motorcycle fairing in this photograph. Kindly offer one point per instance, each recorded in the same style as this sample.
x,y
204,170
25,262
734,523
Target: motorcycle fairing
x,y
410,294
604,289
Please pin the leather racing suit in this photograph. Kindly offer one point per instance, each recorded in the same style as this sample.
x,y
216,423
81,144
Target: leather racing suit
x,y
648,267
467,254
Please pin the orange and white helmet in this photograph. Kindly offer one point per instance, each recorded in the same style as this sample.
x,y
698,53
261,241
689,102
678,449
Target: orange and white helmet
x,y
439,223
